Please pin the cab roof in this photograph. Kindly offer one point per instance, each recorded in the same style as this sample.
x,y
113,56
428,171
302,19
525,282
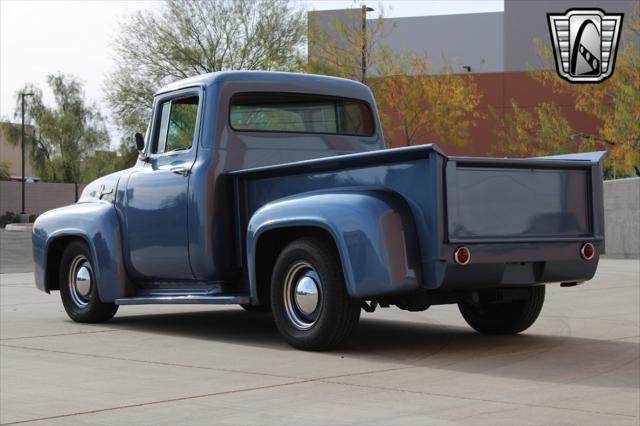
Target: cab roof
x,y
302,82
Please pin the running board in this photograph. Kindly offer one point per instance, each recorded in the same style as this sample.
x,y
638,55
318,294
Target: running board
x,y
185,300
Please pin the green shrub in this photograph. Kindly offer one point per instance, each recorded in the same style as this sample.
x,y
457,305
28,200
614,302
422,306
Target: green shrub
x,y
4,171
8,217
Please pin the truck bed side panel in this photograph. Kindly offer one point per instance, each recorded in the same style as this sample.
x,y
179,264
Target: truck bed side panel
x,y
411,173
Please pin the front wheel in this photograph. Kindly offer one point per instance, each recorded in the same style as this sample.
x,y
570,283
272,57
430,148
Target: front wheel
x,y
309,299
504,317
78,287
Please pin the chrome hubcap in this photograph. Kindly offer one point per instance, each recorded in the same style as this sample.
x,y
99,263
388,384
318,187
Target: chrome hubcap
x,y
80,280
302,295
306,295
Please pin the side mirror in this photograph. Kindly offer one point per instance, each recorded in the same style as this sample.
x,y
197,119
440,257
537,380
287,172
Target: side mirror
x,y
139,141
140,146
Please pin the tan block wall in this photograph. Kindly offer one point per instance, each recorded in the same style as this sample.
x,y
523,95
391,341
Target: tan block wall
x,y
622,218
39,197
12,154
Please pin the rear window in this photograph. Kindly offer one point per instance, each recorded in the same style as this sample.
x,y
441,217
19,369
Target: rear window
x,y
278,112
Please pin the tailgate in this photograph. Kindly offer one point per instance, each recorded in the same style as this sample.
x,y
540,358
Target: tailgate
x,y
546,199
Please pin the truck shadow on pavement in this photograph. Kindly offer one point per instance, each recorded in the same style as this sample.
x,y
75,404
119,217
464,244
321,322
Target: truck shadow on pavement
x,y
528,356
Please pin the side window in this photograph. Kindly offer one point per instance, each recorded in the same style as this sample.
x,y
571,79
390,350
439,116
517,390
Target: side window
x,y
177,125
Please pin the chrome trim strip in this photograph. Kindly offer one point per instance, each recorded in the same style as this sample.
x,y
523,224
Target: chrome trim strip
x,y
185,300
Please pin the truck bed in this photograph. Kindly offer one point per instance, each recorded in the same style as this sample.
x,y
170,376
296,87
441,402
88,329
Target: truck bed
x,y
524,220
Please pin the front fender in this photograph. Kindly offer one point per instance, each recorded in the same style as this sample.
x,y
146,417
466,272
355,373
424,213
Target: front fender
x,y
373,229
97,224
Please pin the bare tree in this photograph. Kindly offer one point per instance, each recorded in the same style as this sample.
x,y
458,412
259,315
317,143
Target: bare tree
x,y
188,38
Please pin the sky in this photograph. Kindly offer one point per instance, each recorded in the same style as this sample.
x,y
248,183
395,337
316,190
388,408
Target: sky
x,y
38,38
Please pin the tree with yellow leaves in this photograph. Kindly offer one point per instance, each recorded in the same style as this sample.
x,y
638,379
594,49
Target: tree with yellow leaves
x,y
412,95
614,102
336,47
414,99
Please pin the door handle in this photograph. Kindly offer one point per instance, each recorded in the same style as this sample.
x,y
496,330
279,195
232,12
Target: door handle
x,y
182,171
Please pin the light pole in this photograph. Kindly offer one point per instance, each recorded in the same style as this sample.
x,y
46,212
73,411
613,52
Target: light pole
x,y
22,210
363,16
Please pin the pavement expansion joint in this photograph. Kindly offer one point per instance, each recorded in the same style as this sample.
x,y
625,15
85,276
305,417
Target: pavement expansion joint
x,y
163,401
496,401
57,335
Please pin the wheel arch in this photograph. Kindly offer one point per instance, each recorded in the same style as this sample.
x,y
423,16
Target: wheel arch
x,y
55,248
372,230
98,226
270,244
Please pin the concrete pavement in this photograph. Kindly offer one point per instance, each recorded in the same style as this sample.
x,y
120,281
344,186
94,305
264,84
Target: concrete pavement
x,y
579,364
15,252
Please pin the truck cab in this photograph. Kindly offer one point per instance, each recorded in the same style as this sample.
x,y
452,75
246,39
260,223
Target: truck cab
x,y
273,191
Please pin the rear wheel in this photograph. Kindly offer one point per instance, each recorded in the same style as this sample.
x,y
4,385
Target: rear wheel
x,y
309,299
504,317
78,287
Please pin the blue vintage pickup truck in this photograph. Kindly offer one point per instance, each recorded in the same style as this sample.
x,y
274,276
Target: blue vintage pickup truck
x,y
273,191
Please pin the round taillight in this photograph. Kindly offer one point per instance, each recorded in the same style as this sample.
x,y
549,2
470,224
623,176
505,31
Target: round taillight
x,y
587,251
462,256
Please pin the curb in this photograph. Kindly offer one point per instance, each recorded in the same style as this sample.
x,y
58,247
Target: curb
x,y
19,227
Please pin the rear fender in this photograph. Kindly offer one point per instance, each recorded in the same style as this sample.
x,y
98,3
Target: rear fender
x,y
97,224
373,230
